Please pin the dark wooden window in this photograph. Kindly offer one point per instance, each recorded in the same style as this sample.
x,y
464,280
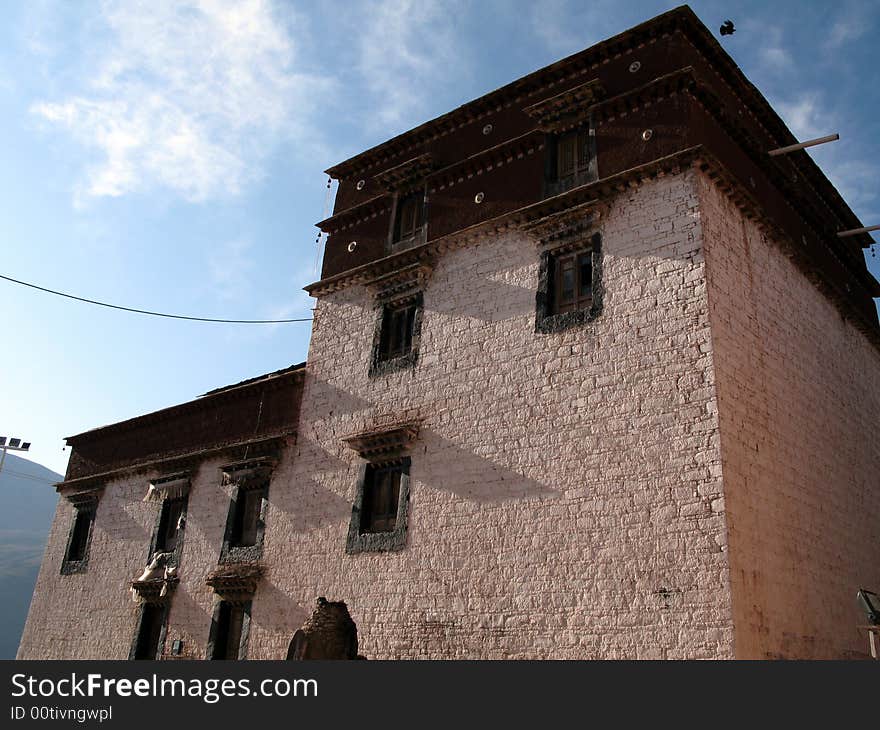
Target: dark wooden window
x,y
572,282
227,639
381,498
246,519
572,154
409,218
150,632
169,523
398,323
79,538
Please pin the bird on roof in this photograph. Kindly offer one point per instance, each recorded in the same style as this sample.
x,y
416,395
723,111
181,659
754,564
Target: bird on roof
x,y
727,28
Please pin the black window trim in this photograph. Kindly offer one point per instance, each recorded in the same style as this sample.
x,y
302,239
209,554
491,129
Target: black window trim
x,y
231,552
546,321
175,554
242,477
213,635
163,631
379,363
82,509
393,540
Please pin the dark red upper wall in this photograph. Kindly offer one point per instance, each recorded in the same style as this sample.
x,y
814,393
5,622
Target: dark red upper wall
x,y
264,407
512,185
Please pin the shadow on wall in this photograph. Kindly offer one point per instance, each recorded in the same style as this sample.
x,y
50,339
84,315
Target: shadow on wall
x,y
326,400
278,612
488,300
308,505
447,467
305,502
186,612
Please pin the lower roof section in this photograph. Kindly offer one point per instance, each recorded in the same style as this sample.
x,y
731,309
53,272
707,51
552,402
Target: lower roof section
x,y
253,411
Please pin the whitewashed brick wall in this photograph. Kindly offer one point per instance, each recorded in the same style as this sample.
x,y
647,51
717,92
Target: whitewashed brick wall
x,y
799,397
566,488
566,492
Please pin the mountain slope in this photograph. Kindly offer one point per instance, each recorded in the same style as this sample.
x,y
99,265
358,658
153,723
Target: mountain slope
x,y
28,507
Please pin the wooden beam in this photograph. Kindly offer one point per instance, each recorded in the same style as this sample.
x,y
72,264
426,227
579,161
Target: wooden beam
x,y
857,231
801,145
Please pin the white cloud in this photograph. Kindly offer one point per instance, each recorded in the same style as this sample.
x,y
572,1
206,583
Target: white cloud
x,y
768,43
809,116
805,116
565,28
850,26
856,180
189,96
406,47
230,267
776,58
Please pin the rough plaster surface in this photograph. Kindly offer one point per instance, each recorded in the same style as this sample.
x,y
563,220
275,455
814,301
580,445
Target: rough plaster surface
x,y
92,615
566,494
564,487
799,397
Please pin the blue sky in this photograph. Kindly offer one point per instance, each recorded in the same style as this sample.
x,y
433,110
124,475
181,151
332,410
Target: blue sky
x,y
168,155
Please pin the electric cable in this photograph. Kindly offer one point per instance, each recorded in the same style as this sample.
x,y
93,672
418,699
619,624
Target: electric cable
x,y
153,314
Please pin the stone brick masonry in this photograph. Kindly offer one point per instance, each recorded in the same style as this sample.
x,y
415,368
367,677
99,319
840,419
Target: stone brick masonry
x,y
572,494
799,397
565,488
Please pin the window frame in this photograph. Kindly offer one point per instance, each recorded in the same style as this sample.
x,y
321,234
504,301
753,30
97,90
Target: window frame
x,y
585,167
362,539
157,543
215,635
548,317
415,197
233,550
137,644
383,360
84,510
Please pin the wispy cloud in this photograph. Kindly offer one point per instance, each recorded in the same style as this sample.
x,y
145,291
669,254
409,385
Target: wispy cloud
x,y
231,267
856,180
809,115
189,96
565,27
850,25
772,51
406,48
805,115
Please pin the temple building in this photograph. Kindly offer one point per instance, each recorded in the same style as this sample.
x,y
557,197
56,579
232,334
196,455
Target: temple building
x,y
591,375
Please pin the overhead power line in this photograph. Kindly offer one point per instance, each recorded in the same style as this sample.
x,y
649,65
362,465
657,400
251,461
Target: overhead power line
x,y
153,314
22,475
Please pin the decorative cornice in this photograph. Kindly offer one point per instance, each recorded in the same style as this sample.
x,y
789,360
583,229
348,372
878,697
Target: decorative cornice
x,y
168,487
248,473
407,174
356,215
401,283
155,590
384,443
236,583
659,88
488,159
566,109
569,227
84,499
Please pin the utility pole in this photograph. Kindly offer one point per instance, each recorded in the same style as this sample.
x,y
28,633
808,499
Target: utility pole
x,y
12,445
